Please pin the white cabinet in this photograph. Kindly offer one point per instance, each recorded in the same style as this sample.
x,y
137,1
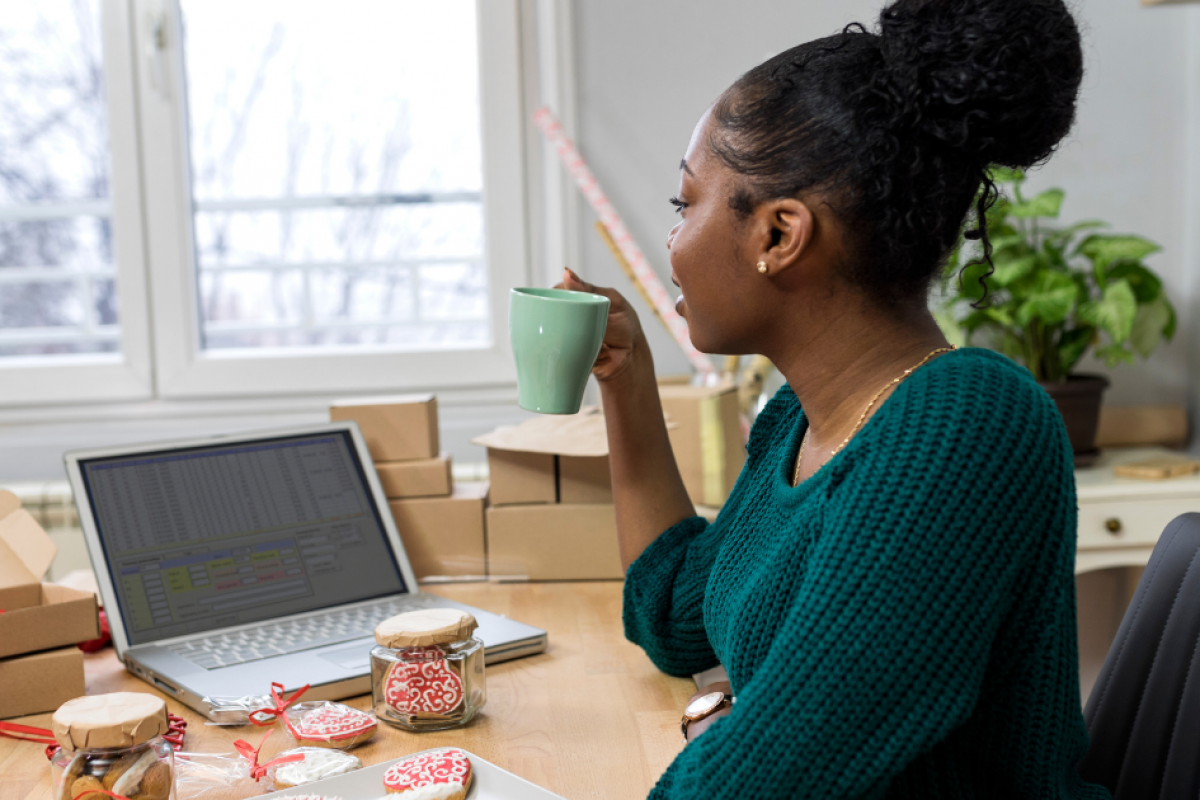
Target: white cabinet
x,y
1120,519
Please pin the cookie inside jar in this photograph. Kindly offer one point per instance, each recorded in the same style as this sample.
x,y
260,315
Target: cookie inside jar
x,y
113,743
427,670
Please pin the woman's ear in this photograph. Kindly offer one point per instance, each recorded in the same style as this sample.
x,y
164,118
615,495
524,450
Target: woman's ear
x,y
787,227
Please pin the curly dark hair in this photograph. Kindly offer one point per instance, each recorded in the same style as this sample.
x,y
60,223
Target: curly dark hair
x,y
896,129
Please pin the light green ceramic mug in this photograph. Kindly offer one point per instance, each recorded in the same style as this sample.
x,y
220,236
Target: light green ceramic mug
x,y
556,336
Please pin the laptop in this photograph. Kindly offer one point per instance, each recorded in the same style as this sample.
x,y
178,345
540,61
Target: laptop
x,y
229,563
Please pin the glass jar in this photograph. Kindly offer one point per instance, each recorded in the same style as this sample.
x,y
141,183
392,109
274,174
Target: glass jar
x,y
113,743
143,771
427,670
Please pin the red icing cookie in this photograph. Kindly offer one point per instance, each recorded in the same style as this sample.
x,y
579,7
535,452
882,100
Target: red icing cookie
x,y
443,774
423,687
330,725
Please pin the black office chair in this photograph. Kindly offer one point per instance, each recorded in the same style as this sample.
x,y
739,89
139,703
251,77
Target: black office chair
x,y
1143,715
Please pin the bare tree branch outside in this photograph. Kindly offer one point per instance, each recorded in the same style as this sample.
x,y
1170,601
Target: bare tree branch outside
x,y
335,164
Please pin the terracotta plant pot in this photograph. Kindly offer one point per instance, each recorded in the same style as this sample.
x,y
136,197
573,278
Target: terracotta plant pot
x,y
1078,400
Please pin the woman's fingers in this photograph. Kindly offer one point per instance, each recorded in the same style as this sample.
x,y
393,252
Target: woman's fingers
x,y
577,284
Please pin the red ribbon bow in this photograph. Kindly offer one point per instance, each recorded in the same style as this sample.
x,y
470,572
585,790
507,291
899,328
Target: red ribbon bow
x,y
269,714
176,728
12,730
250,753
113,795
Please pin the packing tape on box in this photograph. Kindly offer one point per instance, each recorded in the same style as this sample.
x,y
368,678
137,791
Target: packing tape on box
x,y
712,450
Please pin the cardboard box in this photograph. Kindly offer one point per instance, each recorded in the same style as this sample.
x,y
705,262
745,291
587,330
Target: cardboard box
x,y
517,476
400,428
40,682
428,477
443,536
522,462
707,439
584,480
37,616
553,542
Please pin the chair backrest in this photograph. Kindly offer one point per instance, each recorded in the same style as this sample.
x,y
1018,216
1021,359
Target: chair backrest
x,y
1143,715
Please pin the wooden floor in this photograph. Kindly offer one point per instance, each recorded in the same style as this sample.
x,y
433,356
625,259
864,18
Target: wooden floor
x,y
590,718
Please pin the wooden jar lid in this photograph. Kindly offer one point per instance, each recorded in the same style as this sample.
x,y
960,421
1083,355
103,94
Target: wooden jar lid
x,y
119,719
432,626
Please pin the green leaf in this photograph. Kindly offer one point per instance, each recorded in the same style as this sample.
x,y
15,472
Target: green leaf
x,y
1113,313
1073,344
1149,324
1046,204
1008,271
999,316
1052,255
1169,331
1145,284
1063,234
1050,300
1001,174
1002,243
1104,249
1114,354
978,319
969,286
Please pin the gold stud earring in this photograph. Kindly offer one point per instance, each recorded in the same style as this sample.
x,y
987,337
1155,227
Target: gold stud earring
x,y
762,268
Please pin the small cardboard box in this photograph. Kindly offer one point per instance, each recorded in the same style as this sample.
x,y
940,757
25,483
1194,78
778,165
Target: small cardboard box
x,y
40,682
400,428
550,459
37,616
518,476
584,480
553,542
443,536
428,477
707,439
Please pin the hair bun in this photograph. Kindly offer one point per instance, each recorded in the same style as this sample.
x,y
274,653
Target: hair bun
x,y
993,79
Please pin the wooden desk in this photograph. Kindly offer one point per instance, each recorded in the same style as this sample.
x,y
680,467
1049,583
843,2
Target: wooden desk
x,y
591,717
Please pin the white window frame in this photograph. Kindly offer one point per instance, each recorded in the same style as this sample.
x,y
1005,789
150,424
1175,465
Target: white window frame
x,y
126,374
184,370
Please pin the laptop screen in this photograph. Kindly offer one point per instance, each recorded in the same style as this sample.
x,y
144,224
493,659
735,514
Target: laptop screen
x,y
212,536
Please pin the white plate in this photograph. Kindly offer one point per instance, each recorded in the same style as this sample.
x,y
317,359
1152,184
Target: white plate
x,y
490,783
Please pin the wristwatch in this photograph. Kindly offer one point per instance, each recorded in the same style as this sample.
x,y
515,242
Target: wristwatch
x,y
704,706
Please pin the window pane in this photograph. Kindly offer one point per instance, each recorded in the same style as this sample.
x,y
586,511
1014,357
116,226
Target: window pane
x,y
58,292
336,150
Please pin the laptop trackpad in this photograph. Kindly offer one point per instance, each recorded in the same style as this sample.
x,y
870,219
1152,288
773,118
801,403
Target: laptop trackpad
x,y
353,658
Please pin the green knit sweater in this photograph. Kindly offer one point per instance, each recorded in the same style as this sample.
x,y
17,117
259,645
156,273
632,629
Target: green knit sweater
x,y
900,625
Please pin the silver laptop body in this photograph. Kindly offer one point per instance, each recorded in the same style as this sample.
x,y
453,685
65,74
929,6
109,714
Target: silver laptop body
x,y
228,563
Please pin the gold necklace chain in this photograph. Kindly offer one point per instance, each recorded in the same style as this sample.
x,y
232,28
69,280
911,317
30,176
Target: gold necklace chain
x,y
863,416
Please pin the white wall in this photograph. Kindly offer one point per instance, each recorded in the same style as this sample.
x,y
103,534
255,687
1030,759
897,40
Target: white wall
x,y
647,70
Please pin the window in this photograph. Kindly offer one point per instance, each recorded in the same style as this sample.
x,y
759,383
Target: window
x,y
320,197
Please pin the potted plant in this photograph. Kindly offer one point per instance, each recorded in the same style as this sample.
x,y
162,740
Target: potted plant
x,y
1055,293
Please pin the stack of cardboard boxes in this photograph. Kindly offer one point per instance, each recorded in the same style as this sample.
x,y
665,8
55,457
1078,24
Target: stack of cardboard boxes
x,y
440,522
40,666
547,513
551,515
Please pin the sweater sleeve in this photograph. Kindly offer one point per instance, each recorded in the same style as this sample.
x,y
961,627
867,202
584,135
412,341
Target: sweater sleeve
x,y
664,598
886,638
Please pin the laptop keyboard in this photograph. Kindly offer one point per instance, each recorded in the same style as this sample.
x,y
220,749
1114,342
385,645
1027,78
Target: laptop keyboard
x,y
281,638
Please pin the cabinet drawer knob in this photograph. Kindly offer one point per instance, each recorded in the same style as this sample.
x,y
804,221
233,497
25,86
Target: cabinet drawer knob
x,y
1113,524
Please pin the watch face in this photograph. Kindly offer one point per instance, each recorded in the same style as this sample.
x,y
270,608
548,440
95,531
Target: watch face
x,y
704,704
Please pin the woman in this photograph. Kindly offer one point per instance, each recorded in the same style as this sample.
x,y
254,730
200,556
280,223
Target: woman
x,y
890,583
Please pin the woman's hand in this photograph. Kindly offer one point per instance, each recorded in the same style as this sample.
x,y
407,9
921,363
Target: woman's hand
x,y
624,336
694,729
